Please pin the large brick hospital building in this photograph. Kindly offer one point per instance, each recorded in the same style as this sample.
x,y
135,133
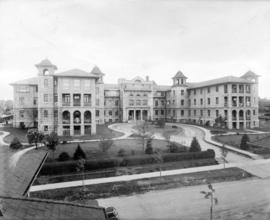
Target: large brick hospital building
x,y
74,101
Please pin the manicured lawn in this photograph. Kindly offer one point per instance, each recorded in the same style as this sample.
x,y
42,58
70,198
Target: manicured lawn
x,y
235,140
131,146
118,171
102,131
15,132
141,186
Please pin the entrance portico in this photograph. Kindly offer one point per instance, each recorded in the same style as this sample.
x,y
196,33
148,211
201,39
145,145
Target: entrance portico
x,y
138,114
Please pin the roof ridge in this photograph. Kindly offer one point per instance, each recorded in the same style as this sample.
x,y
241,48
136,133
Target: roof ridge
x,y
49,201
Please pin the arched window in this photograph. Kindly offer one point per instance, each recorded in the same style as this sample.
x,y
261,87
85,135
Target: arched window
x,y
76,117
87,117
234,115
248,115
66,117
45,72
241,114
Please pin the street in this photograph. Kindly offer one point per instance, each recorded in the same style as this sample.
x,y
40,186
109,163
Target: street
x,y
249,199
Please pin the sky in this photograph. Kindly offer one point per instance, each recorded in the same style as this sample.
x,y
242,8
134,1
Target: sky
x,y
205,39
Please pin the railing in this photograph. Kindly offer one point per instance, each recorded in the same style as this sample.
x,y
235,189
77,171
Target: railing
x,y
65,103
87,121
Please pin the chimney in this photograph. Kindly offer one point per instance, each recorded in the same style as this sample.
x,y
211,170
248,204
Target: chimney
x,y
147,78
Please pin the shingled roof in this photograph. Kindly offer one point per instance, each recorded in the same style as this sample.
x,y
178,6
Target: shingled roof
x,y
226,79
179,74
18,208
46,63
29,81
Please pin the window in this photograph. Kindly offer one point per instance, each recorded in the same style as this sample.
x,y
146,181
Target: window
x,y
217,101
138,102
97,102
182,81
182,102
201,101
138,94
97,113
116,113
87,99
46,83
173,102
45,127
21,100
194,91
162,112
145,102
87,84
241,88
116,103
156,112
46,99
45,113
131,94
217,113
208,89
226,88
65,84
182,92
156,103
110,113
182,112
209,101
66,98
247,88
234,88
209,113
174,112
144,94
21,113
194,101
35,101
201,112
77,84
194,112
254,112
55,98
131,102
217,88
55,113
162,102
201,91
189,112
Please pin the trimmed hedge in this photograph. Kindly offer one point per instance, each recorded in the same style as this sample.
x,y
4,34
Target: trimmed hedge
x,y
56,168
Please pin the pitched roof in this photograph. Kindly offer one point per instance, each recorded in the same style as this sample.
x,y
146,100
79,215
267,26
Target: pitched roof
x,y
249,74
29,81
46,63
20,208
96,71
226,79
76,73
179,74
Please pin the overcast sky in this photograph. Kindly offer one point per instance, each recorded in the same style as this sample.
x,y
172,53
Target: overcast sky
x,y
126,38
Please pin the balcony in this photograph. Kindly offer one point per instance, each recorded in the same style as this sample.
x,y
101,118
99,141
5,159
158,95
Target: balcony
x,y
76,100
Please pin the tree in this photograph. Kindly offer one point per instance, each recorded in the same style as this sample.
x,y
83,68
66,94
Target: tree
x,y
161,123
244,142
195,146
79,153
220,121
149,148
15,144
143,133
224,153
105,144
34,136
80,166
64,156
158,158
210,195
51,141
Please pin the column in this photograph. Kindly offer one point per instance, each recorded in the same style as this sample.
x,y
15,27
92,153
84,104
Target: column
x,y
71,124
141,114
134,115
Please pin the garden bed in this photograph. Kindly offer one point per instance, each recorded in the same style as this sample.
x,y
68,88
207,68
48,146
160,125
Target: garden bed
x,y
141,186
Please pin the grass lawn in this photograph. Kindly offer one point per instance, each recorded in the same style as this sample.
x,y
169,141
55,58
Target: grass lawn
x,y
102,130
130,170
141,186
235,140
131,146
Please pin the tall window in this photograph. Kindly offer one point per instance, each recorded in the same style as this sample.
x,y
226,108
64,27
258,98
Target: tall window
x,y
182,101
45,113
217,113
209,113
77,84
182,91
217,88
87,84
217,101
208,89
194,101
46,98
156,102
97,113
46,84
201,112
66,83
201,101
226,88
182,112
97,102
209,101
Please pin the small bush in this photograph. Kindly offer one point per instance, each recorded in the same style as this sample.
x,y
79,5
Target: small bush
x,y
174,126
121,153
79,153
149,148
15,144
64,156
195,146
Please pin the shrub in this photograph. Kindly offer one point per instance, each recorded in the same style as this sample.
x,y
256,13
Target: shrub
x,y
121,153
173,147
64,156
161,123
15,144
149,148
79,153
174,126
195,146
244,144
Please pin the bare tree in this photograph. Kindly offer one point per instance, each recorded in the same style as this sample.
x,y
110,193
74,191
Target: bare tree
x,y
210,195
80,167
144,133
